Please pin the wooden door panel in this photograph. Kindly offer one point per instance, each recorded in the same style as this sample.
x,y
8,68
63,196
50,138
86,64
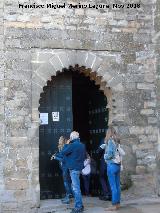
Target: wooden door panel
x,y
57,98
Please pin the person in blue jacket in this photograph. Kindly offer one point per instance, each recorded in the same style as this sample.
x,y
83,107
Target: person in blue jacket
x,y
75,154
62,144
113,166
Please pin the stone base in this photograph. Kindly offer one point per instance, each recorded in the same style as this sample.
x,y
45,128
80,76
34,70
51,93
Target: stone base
x,y
142,185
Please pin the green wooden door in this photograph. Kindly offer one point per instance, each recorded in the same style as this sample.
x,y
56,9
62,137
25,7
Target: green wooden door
x,y
57,98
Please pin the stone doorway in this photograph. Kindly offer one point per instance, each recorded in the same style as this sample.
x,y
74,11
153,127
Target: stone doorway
x,y
49,62
81,107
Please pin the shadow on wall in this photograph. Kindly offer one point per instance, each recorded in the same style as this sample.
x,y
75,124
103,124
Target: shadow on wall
x,y
129,167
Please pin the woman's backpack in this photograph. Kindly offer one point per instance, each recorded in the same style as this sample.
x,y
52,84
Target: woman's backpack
x,y
118,154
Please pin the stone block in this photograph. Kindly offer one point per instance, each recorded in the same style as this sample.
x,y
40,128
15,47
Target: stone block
x,y
46,19
151,130
38,81
20,195
147,112
115,81
145,182
9,206
12,43
105,74
90,59
63,56
142,38
21,163
9,164
149,104
152,120
72,57
17,122
35,115
2,147
136,130
35,177
104,45
149,159
6,196
96,64
42,56
13,184
55,61
145,86
18,142
122,23
150,78
44,73
88,44
153,138
92,13
80,58
17,173
18,74
35,142
102,71
143,138
35,164
140,170
72,44
37,88
79,12
129,58
151,167
145,2
118,88
24,153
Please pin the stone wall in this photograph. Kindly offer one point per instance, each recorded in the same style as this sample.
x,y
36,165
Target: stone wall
x,y
119,51
156,41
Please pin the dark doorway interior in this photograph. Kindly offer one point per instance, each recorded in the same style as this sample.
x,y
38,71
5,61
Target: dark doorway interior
x,y
82,107
90,119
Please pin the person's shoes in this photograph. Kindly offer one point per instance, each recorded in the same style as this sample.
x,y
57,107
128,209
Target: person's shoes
x,y
82,208
113,208
65,198
105,198
65,202
109,197
70,196
77,210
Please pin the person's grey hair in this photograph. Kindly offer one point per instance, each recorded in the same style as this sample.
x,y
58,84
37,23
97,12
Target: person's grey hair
x,y
74,135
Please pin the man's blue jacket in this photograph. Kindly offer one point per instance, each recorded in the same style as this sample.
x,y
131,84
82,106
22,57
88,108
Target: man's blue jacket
x,y
61,160
74,155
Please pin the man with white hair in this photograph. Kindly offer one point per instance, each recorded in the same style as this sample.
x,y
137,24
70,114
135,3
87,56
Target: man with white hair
x,y
75,154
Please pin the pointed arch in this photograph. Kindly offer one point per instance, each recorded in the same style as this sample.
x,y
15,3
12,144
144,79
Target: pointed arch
x,y
47,63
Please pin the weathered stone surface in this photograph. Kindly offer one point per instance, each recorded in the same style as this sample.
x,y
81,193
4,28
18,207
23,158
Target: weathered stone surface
x,y
140,169
121,50
18,184
136,130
